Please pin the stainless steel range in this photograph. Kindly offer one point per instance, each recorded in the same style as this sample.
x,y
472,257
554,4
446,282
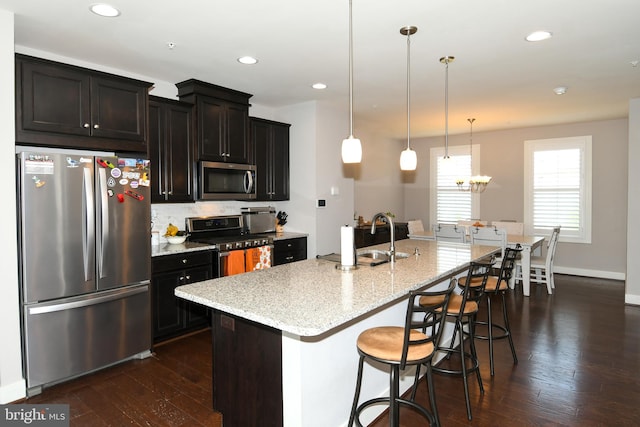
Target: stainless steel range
x,y
238,250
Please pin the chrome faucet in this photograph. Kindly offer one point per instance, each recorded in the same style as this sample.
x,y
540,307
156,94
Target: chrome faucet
x,y
392,244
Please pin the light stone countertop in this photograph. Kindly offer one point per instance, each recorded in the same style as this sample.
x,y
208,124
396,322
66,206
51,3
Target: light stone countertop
x,y
312,297
169,249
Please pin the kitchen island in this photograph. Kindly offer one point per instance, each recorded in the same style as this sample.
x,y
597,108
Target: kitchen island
x,y
284,339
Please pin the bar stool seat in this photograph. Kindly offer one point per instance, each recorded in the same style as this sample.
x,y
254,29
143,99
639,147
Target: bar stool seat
x,y
399,347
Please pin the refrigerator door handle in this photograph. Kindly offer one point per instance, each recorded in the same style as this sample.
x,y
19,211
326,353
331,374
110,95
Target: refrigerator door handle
x,y
88,231
87,301
104,218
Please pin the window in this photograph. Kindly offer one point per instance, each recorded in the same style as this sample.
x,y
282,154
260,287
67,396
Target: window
x,y
557,188
448,204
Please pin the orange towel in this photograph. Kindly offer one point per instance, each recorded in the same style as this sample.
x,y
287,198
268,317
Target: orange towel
x,y
235,263
258,258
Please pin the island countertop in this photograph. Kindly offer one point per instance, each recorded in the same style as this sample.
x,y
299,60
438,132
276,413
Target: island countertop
x,y
311,297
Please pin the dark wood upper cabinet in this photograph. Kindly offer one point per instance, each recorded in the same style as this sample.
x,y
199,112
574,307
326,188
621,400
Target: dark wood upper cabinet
x,y
67,106
222,121
171,151
270,144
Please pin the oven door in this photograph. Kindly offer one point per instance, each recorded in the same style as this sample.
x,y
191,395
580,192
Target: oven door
x,y
245,260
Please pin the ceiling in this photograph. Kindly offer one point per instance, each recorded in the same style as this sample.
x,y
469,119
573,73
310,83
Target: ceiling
x,y
497,77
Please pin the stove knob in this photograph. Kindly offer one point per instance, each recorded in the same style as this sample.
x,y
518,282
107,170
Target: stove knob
x,y
228,246
247,244
239,245
256,242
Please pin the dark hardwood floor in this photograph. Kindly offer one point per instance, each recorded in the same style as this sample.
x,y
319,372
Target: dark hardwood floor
x,y
579,365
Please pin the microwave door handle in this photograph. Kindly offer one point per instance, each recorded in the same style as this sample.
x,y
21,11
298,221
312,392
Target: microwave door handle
x,y
248,182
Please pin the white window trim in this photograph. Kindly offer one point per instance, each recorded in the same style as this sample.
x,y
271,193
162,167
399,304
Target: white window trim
x,y
456,150
584,144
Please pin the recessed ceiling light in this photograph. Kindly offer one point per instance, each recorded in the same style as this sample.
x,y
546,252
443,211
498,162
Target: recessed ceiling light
x,y
248,60
171,45
104,10
537,36
560,90
319,86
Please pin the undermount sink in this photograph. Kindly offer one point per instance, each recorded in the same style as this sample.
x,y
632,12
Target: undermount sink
x,y
378,254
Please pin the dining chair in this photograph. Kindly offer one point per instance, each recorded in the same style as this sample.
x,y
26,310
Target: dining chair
x,y
415,226
512,227
489,236
449,233
541,270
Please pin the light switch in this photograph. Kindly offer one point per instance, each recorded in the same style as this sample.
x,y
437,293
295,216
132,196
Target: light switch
x,y
335,191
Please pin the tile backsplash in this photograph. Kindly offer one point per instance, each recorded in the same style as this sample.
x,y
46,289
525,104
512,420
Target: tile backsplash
x,y
175,213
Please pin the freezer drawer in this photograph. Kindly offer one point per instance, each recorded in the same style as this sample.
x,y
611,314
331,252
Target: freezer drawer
x,y
72,336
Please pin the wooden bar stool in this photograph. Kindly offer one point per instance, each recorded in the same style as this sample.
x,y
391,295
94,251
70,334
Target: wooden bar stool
x,y
495,285
462,309
400,347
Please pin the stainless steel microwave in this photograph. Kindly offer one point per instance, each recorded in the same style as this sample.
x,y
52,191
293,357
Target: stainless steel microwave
x,y
226,181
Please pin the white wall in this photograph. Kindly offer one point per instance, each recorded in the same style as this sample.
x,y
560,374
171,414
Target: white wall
x,y
632,290
12,385
379,182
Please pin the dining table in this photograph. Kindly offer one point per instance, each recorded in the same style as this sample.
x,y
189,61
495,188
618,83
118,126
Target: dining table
x,y
529,245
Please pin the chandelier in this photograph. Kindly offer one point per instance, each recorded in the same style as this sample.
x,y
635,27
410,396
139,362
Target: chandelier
x,y
475,183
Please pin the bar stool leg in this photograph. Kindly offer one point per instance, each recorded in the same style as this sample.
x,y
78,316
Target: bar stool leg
x,y
432,395
490,333
394,391
508,328
464,370
357,394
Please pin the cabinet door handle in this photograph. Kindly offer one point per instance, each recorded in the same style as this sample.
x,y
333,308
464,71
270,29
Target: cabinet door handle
x,y
184,260
188,278
86,125
96,126
289,258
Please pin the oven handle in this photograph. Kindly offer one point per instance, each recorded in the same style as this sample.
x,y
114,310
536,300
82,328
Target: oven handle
x,y
223,254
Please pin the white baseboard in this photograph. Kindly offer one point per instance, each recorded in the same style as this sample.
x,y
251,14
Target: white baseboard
x,y
628,298
632,299
12,392
600,274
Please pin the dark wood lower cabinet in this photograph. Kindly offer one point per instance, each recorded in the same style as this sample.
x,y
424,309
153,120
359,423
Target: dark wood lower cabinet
x,y
173,316
247,372
363,236
289,250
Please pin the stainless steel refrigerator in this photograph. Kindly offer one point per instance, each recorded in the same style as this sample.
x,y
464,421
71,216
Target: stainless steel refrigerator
x,y
84,243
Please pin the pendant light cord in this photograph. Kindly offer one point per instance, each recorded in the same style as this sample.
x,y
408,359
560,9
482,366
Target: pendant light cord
x,y
350,69
446,110
471,142
408,88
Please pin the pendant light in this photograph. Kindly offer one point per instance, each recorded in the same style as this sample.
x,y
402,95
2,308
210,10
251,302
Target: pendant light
x,y
351,147
446,60
408,158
